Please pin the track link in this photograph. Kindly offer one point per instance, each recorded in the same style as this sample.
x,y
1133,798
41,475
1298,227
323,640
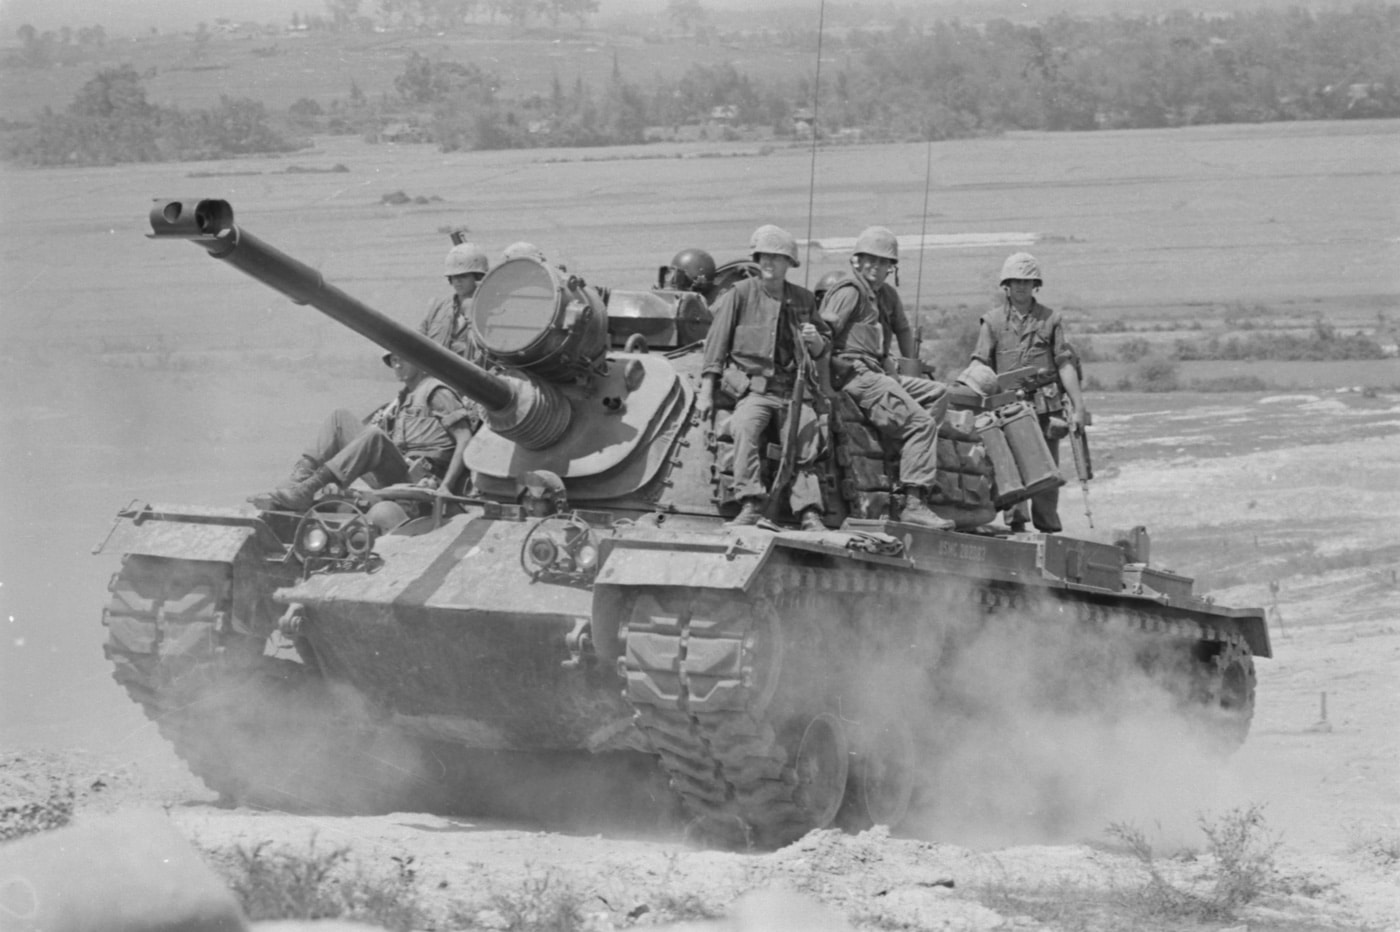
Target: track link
x,y
703,670
257,730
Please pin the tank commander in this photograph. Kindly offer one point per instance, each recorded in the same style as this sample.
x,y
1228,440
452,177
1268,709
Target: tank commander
x,y
760,327
1020,331
689,270
419,437
866,317
448,321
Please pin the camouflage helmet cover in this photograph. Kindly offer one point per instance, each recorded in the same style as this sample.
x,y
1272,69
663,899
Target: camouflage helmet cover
x,y
879,242
523,250
465,258
1020,266
776,241
980,377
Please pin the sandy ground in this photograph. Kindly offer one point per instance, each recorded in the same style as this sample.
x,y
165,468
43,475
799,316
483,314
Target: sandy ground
x,y
1326,778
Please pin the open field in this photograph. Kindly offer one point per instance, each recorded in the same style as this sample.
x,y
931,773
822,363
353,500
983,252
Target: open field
x,y
139,369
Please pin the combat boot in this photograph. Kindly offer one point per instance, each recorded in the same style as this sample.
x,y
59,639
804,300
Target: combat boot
x,y
295,496
304,469
917,513
812,520
749,515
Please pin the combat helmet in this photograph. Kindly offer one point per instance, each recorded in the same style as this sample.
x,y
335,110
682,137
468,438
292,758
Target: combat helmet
x,y
981,378
692,270
829,281
775,241
465,259
879,242
1020,266
523,250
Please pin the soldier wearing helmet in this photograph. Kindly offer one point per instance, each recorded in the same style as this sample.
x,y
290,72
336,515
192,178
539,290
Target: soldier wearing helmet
x,y
1018,332
760,327
826,283
448,321
867,318
449,318
690,270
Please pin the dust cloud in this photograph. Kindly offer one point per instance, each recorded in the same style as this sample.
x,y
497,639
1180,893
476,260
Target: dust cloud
x,y
1037,728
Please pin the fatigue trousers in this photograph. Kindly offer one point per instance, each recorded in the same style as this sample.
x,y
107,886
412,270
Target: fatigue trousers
x,y
351,449
752,415
897,414
1043,509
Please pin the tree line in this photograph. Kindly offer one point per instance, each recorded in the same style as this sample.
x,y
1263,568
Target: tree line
x,y
946,80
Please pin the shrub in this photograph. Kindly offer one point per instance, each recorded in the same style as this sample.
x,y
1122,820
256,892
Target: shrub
x,y
544,902
322,884
34,804
1244,856
1230,383
1155,373
1243,870
1134,349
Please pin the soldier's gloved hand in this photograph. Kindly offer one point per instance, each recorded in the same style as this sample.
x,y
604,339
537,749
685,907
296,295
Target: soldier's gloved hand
x,y
1077,417
429,482
705,399
812,338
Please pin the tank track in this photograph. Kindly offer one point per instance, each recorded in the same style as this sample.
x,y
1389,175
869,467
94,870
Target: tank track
x,y
703,670
257,730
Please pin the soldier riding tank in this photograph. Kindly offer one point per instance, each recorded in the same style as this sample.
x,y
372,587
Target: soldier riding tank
x,y
585,600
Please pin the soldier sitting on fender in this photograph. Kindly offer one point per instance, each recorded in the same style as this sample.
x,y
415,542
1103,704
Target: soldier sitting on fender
x,y
1023,332
865,313
419,437
752,347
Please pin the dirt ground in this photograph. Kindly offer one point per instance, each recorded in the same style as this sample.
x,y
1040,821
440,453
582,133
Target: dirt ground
x,y
1230,489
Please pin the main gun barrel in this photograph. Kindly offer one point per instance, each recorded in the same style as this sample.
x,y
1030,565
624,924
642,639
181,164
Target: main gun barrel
x,y
534,415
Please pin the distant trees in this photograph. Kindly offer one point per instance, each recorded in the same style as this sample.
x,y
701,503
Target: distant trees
x,y
449,15
110,120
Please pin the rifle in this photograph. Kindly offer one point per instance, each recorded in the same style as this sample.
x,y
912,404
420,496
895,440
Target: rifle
x,y
1079,446
787,459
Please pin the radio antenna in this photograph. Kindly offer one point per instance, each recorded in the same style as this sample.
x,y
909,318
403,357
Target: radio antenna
x,y
923,227
812,173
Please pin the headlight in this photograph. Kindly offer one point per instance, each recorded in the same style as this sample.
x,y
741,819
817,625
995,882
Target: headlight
x,y
314,540
586,557
543,552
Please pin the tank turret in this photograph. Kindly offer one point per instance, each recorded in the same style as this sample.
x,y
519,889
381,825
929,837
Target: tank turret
x,y
530,412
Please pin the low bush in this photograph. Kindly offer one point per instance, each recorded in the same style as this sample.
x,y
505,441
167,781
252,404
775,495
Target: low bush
x,y
30,804
1243,869
320,883
1230,383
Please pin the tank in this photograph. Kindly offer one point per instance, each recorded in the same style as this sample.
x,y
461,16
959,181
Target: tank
x,y
583,608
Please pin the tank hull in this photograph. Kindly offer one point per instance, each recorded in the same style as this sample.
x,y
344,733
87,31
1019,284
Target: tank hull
x,y
735,667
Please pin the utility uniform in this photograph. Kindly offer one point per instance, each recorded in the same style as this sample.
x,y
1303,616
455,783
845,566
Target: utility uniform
x,y
752,349
413,430
1008,341
449,323
863,321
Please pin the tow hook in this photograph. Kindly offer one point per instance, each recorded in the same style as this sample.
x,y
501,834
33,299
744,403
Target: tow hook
x,y
289,625
579,641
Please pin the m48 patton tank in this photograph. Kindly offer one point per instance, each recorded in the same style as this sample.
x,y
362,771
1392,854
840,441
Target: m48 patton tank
x,y
584,606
